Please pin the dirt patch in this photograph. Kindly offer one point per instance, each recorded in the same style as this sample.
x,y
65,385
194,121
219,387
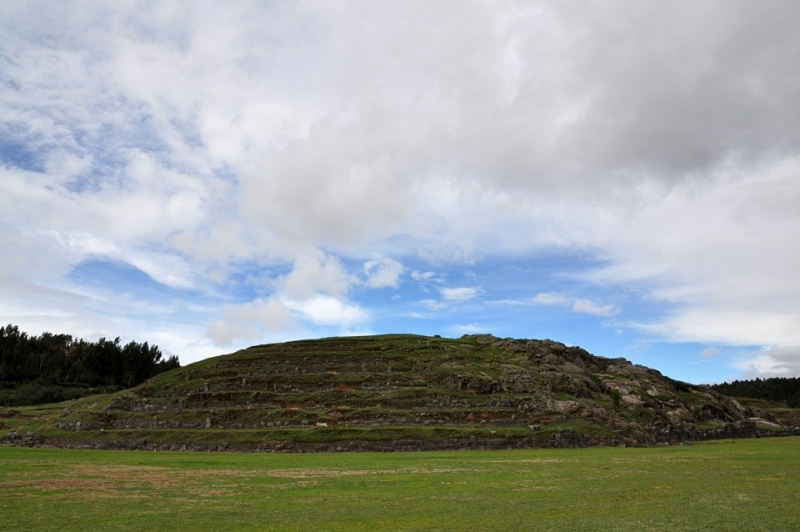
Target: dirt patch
x,y
133,482
525,461
336,473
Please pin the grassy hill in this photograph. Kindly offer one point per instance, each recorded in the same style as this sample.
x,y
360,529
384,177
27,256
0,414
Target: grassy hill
x,y
398,392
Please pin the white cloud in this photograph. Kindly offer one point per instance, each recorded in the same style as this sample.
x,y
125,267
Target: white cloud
x,y
433,304
316,273
275,319
313,293
509,302
469,328
423,276
327,310
549,298
383,272
586,306
735,326
62,165
578,306
250,321
464,293
710,352
771,362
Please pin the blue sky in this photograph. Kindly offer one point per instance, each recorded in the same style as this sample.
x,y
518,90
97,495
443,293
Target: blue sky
x,y
622,177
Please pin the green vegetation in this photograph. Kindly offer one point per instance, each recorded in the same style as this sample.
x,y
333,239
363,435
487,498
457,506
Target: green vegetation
x,y
729,485
398,392
616,398
779,389
55,367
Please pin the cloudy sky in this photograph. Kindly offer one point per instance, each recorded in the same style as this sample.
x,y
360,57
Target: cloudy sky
x,y
623,176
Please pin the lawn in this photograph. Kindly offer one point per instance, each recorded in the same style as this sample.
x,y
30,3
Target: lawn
x,y
729,485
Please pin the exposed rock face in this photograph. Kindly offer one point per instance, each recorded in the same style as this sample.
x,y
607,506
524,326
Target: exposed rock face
x,y
404,392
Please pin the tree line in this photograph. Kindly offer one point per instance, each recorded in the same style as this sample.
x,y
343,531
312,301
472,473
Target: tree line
x,y
55,367
781,389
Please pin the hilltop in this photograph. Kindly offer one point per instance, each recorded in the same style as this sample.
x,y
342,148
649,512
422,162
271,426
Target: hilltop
x,y
399,392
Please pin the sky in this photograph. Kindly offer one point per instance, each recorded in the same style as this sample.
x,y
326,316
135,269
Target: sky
x,y
205,176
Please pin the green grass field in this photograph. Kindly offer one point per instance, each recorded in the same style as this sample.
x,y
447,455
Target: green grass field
x,y
730,485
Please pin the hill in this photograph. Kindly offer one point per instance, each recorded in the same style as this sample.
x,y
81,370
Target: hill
x,y
398,392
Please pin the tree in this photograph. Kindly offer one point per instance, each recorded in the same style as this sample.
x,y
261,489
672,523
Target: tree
x,y
44,367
